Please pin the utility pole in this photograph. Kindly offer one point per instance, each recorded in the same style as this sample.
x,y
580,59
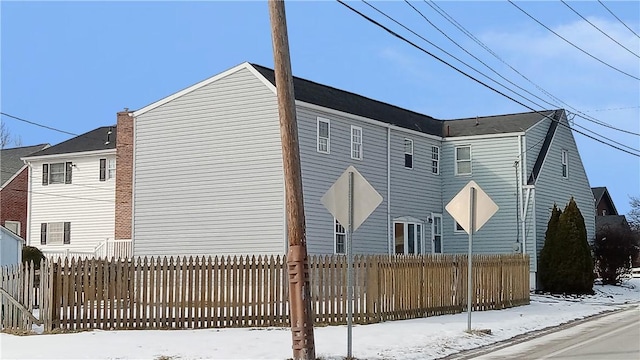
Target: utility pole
x,y
297,261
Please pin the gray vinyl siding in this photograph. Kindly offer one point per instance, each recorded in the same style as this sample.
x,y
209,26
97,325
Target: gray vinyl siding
x,y
534,139
208,172
552,188
415,192
493,170
320,171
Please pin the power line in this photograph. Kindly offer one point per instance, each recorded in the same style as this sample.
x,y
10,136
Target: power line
x,y
105,140
572,44
470,54
439,48
597,28
579,113
621,22
36,124
471,77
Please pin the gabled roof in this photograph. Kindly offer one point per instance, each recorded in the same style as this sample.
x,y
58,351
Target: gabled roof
x,y
600,193
332,98
10,160
102,138
497,124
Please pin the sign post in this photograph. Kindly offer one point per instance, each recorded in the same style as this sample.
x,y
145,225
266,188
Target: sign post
x,y
361,199
471,208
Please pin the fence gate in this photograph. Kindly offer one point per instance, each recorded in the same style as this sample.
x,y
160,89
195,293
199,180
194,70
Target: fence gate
x,y
23,295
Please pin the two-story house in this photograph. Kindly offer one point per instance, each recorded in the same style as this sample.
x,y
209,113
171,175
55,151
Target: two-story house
x,y
204,172
14,188
72,194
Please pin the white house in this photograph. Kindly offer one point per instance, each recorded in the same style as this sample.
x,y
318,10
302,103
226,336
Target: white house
x,y
72,195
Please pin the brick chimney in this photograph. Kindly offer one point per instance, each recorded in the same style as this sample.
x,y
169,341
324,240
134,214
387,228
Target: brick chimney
x,y
124,175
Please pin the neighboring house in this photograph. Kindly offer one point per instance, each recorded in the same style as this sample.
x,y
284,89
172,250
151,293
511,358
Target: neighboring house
x,y
10,247
72,194
606,214
14,188
204,174
604,203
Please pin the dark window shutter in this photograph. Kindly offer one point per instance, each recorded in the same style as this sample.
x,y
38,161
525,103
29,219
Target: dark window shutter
x,y
45,174
67,233
43,233
103,169
67,173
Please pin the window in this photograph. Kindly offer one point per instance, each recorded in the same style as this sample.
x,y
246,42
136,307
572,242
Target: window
x,y
356,142
107,169
56,173
55,233
408,153
340,238
604,212
565,164
435,160
407,238
459,228
463,160
323,131
436,233
13,226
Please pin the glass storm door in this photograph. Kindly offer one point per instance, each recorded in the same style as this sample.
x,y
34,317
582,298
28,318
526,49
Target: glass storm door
x,y
407,237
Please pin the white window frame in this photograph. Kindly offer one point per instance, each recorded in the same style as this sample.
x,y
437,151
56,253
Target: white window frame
x,y
111,168
55,237
435,216
457,228
564,159
319,137
12,223
339,230
418,233
356,142
435,160
64,173
457,162
408,153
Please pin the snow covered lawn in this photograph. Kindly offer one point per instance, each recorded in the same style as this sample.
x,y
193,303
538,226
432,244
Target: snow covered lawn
x,y
427,338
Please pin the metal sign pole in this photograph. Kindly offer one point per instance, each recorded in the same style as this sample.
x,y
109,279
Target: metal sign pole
x,y
350,269
472,207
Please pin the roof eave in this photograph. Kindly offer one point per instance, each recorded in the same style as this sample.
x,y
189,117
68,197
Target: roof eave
x,y
69,155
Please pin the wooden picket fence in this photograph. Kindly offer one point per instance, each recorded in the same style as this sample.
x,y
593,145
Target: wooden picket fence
x,y
215,292
21,289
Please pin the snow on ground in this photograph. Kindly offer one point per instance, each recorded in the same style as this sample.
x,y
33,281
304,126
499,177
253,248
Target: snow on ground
x,y
427,338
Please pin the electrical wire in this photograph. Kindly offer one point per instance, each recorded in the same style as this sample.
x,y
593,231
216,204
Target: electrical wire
x,y
597,28
578,113
393,33
621,22
572,44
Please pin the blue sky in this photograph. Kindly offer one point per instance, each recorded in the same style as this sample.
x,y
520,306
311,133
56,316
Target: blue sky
x,y
73,65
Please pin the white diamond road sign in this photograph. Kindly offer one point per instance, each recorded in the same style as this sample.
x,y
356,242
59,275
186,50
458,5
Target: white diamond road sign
x,y
365,199
459,206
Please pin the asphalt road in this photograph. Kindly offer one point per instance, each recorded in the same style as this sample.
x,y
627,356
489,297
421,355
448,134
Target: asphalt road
x,y
612,337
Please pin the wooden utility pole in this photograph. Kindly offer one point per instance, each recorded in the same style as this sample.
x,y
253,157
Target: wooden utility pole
x,y
297,262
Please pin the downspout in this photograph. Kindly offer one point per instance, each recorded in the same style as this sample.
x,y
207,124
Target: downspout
x,y
389,189
535,233
520,155
29,199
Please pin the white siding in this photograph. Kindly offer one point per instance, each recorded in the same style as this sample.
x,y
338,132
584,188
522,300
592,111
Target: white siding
x,y
208,172
87,203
